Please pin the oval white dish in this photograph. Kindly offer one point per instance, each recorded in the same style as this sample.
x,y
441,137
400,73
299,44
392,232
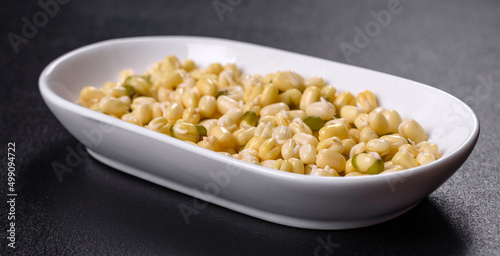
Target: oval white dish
x,y
276,196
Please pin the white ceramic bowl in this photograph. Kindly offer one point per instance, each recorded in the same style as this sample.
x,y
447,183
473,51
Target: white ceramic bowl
x,y
280,197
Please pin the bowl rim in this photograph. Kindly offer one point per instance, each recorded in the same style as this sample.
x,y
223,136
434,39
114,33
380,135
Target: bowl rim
x,y
49,95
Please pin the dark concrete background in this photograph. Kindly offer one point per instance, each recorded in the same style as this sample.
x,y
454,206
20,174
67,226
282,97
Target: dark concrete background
x,y
451,45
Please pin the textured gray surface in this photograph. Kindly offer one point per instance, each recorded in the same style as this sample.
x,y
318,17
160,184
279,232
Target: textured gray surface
x,y
451,45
